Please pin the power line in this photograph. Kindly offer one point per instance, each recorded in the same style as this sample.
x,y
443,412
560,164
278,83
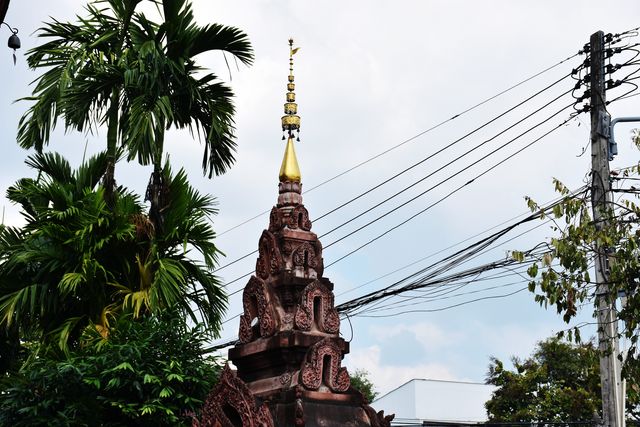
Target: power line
x,y
444,166
435,253
433,310
448,194
445,264
581,190
452,144
441,291
448,146
432,128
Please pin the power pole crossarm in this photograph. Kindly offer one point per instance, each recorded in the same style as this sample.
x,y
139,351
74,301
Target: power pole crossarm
x,y
612,410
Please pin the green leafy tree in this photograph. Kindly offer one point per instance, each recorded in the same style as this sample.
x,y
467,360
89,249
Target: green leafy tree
x,y
84,65
138,77
560,382
78,262
562,278
88,252
361,382
165,87
54,271
151,372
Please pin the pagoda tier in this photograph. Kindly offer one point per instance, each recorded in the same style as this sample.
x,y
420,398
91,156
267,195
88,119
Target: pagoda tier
x,y
289,329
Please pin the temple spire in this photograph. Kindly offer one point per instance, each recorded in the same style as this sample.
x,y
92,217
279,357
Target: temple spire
x,y
290,171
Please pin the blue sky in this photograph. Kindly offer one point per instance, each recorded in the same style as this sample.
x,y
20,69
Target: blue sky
x,y
369,75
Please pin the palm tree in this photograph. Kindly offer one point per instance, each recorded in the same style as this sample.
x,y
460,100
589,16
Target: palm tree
x,y
165,87
78,261
55,271
83,81
88,251
117,68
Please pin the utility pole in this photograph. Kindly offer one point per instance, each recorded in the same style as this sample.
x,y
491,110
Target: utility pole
x,y
612,409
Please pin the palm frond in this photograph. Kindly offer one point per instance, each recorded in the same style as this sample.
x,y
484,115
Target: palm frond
x,y
224,38
52,164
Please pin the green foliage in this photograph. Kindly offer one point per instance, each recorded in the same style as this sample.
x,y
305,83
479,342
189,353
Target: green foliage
x,y
560,382
91,255
55,272
116,66
150,372
164,87
361,382
563,277
79,262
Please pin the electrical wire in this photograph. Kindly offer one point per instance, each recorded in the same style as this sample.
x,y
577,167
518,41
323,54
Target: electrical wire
x,y
445,264
430,189
452,144
432,128
450,193
434,310
423,160
574,194
442,167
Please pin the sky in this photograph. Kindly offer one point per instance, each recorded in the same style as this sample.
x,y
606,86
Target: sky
x,y
369,76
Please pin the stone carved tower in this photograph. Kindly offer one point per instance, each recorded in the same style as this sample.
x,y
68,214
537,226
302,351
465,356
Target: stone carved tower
x,y
289,353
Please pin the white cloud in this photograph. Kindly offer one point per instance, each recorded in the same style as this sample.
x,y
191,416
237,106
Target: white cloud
x,y
429,335
387,377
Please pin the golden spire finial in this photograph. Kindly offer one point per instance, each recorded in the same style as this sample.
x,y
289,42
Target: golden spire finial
x,y
289,171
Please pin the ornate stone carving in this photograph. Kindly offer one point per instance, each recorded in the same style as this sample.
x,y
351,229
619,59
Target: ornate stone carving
x,y
285,379
305,256
378,419
299,218
288,247
314,372
231,402
287,322
329,321
299,420
256,302
275,220
269,260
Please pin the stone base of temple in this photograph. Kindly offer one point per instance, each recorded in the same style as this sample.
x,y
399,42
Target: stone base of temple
x,y
311,409
232,404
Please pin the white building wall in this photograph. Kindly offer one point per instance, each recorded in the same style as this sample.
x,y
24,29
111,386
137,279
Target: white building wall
x,y
400,401
433,400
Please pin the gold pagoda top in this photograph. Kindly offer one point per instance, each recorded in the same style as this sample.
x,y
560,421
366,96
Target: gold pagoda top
x,y
290,171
